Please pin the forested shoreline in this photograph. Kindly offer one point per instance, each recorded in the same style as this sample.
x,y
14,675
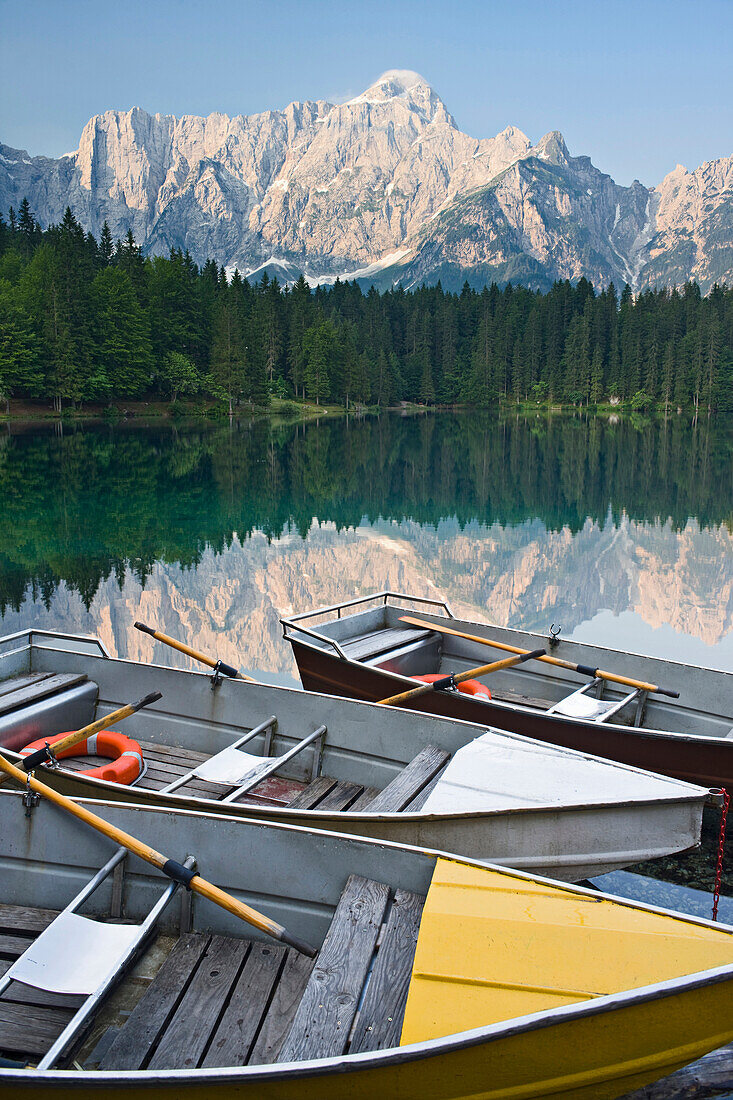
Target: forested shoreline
x,y
94,321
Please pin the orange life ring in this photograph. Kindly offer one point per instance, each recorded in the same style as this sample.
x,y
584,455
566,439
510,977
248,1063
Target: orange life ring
x,y
470,687
125,755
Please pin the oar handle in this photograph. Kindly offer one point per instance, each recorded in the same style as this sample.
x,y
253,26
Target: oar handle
x,y
178,872
584,670
40,756
640,685
458,678
220,666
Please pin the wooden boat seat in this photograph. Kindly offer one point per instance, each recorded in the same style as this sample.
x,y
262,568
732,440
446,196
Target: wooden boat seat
x,y
327,793
409,784
216,1001
379,641
407,791
348,977
21,691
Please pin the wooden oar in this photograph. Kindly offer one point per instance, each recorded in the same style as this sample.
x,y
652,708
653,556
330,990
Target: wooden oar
x,y
48,752
219,666
450,681
169,867
584,670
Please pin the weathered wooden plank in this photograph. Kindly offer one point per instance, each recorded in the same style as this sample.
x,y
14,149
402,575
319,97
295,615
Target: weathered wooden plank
x,y
340,797
711,1075
312,794
28,1029
280,1014
524,700
50,685
379,1025
27,994
25,918
156,1007
420,799
378,641
250,999
411,780
174,753
184,1041
364,801
324,1017
164,774
16,683
12,945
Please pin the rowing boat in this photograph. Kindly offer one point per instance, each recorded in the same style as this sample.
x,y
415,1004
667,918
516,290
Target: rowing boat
x,y
436,978
363,649
343,765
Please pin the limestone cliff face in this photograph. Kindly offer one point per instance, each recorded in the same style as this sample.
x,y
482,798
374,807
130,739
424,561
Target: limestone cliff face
x,y
384,187
692,227
521,576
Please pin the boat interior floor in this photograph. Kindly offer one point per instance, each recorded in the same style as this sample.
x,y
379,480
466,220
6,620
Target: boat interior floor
x,y
224,1001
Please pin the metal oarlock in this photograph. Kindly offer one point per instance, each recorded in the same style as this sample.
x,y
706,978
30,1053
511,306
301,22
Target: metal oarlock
x,y
30,799
217,677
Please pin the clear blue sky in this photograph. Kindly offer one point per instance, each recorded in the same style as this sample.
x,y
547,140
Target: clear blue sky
x,y
637,85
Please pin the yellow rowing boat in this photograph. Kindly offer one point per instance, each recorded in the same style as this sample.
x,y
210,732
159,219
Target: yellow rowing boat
x,y
437,978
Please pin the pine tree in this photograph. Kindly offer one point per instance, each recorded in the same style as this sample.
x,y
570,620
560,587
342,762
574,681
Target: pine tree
x,y
106,248
227,374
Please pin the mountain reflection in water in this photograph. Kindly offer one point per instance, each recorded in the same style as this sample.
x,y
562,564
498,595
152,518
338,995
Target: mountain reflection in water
x,y
210,533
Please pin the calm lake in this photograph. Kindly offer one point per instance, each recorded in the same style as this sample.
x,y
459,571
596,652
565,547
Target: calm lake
x,y
615,532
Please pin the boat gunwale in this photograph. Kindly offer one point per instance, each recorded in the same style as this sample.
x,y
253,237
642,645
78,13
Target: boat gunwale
x,y
291,622
192,803
405,682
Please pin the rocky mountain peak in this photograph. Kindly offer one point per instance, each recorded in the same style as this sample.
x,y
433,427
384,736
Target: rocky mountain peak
x,y
552,148
384,187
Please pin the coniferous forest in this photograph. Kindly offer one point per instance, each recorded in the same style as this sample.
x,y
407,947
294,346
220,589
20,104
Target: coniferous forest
x,y
94,321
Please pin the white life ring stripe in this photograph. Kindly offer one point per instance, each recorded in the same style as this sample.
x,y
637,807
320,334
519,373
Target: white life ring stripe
x,y
138,757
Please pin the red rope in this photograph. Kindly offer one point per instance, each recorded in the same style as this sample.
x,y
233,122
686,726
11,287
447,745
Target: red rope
x,y
721,846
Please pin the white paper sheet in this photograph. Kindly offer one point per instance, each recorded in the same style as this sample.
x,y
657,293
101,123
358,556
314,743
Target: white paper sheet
x,y
73,955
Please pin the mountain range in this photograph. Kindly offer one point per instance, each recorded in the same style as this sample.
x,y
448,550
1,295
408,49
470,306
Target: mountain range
x,y
385,189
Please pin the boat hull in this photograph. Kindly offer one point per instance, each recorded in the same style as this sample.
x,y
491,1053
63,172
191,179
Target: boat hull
x,y
707,761
571,844
630,1046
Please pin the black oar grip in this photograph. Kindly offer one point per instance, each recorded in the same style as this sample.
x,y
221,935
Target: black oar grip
x,y
145,629
663,691
40,756
586,670
299,945
152,698
532,656
178,872
227,670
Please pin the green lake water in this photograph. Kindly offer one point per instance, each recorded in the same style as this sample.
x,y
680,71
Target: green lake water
x,y
615,532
